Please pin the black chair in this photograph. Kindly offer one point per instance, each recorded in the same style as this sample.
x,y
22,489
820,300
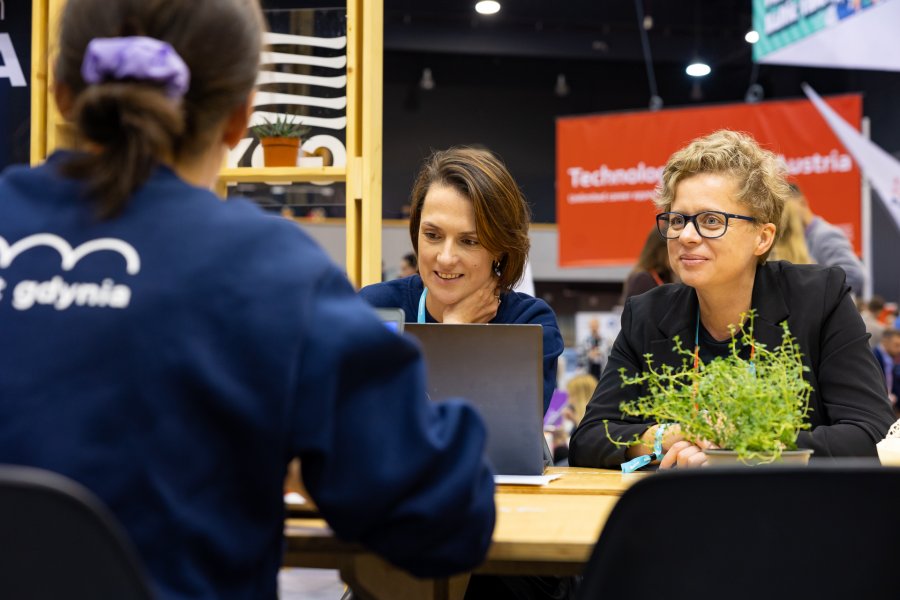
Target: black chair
x,y
775,532
58,541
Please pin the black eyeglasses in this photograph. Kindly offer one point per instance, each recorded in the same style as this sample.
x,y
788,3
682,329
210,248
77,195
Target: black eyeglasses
x,y
709,223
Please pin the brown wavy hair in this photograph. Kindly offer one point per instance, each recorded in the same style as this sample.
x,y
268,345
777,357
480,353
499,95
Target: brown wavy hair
x,y
758,174
501,214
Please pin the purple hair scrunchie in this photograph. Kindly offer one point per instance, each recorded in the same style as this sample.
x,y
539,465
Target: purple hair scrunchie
x,y
138,58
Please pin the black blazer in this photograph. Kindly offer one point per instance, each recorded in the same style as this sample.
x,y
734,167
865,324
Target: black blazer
x,y
850,411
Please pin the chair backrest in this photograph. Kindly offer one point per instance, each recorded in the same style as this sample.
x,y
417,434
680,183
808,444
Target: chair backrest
x,y
817,532
57,540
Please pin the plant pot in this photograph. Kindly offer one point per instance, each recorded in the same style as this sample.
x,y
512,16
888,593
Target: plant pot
x,y
280,151
723,458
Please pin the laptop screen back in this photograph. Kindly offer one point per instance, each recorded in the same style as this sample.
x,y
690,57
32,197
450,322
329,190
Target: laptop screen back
x,y
499,369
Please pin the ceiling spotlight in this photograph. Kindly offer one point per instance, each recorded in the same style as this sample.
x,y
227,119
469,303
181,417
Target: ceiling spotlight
x,y
487,7
752,36
698,69
427,80
562,88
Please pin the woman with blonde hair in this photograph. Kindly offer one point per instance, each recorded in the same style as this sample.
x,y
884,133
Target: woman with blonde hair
x,y
720,198
579,389
790,245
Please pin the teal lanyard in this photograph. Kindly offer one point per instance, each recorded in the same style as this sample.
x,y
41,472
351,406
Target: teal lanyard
x,y
421,318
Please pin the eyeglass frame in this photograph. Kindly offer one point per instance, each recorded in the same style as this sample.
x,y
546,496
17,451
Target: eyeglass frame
x,y
688,219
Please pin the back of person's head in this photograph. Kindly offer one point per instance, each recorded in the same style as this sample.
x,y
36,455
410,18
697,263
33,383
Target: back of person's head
x,y
876,304
790,243
654,255
758,174
132,117
580,389
501,214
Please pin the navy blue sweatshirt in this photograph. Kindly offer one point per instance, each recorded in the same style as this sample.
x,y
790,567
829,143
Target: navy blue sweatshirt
x,y
176,358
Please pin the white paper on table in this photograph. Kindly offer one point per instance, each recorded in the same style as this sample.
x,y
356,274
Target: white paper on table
x,y
525,479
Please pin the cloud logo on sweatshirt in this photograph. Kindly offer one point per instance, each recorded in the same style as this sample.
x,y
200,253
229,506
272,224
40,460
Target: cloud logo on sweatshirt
x,y
58,292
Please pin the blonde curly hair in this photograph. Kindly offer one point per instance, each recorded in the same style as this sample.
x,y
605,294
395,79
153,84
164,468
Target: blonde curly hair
x,y
760,177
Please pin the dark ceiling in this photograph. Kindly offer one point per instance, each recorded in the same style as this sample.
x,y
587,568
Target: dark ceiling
x,y
582,29
592,42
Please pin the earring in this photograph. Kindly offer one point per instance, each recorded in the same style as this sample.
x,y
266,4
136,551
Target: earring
x,y
496,267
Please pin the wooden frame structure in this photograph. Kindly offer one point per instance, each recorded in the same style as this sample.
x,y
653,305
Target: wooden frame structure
x,y
362,174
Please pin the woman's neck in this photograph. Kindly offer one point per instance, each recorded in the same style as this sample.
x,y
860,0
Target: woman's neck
x,y
201,169
434,308
725,307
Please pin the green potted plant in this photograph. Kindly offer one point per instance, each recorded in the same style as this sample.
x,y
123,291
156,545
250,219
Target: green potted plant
x,y
751,409
280,140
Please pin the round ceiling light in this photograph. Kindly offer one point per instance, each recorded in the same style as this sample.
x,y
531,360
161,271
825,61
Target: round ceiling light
x,y
487,7
752,36
698,69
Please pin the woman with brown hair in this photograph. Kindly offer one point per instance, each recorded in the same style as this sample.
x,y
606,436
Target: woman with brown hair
x,y
172,352
469,227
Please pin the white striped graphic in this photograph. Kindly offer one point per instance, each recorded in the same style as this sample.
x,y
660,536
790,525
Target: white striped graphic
x,y
282,58
264,98
303,40
268,75
276,77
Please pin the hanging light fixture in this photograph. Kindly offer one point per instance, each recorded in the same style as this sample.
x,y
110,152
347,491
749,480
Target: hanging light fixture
x,y
427,80
698,68
487,7
562,87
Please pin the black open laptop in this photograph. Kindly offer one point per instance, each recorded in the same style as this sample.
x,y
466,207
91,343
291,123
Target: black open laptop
x,y
499,369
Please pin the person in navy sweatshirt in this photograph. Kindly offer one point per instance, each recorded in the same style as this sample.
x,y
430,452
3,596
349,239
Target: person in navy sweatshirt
x,y
173,352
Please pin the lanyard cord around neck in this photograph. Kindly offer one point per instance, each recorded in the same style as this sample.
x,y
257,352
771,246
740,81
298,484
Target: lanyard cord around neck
x,y
697,355
421,317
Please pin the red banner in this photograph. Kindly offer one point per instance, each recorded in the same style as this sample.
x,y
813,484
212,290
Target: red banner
x,y
608,166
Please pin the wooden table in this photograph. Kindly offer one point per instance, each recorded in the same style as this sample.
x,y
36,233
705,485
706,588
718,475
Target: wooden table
x,y
548,530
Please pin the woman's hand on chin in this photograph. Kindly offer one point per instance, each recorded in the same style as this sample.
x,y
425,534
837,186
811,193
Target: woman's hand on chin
x,y
478,307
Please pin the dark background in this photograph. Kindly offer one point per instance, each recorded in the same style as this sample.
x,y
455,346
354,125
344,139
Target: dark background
x,y
15,102
495,76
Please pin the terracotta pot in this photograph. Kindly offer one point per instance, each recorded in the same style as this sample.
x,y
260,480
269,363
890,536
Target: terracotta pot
x,y
723,458
280,151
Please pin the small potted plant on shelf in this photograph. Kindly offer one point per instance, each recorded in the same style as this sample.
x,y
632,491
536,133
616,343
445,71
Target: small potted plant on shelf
x,y
280,140
752,409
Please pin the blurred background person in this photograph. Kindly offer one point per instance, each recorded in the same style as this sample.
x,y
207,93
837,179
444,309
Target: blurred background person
x,y
579,390
408,266
594,350
869,314
790,245
888,355
887,316
828,245
652,268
